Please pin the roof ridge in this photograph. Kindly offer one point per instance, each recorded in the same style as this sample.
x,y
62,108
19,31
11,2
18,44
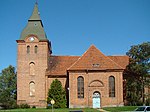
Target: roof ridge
x,y
76,61
80,57
109,58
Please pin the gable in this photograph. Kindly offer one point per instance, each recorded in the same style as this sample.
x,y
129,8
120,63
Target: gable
x,y
93,59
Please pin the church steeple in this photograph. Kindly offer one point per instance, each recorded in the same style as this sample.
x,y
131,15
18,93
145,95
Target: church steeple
x,y
35,14
34,26
34,50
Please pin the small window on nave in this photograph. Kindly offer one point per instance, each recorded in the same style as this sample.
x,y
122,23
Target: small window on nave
x,y
32,88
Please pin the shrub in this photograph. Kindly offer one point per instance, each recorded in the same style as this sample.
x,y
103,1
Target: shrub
x,y
33,106
148,102
58,94
14,105
23,106
49,107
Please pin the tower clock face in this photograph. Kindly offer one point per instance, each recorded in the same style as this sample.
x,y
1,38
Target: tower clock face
x,y
31,39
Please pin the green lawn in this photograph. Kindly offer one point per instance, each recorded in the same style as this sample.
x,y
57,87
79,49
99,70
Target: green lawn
x,y
110,109
118,109
48,110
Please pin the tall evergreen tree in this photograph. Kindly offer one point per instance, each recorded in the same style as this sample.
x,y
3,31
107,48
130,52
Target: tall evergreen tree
x,y
58,94
8,87
137,73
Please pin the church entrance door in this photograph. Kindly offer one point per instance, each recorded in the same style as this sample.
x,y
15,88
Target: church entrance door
x,y
96,99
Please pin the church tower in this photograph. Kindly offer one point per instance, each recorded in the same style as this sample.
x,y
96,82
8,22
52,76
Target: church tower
x,y
34,50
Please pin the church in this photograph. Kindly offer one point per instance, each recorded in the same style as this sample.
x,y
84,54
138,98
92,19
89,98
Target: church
x,y
92,80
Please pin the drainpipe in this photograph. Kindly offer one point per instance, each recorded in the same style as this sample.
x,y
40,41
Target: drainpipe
x,y
88,87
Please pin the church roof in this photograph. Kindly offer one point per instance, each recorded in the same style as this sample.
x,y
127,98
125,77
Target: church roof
x,y
58,64
35,14
123,61
34,26
92,59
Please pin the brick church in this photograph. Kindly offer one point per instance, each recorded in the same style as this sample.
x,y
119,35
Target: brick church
x,y
92,80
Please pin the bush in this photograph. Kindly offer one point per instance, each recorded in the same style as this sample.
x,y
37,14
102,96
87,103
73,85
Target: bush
x,y
10,105
23,106
139,103
14,106
49,106
58,94
148,102
33,106
134,103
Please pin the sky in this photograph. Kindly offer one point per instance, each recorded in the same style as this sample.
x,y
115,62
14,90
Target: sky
x,y
72,26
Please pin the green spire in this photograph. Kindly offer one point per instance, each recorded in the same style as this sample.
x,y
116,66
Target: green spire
x,y
35,14
34,26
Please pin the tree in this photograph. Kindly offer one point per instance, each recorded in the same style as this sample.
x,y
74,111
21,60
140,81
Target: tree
x,y
58,94
8,87
137,74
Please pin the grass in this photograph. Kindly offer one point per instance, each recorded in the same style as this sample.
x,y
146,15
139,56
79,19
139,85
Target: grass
x,y
48,110
110,109
118,109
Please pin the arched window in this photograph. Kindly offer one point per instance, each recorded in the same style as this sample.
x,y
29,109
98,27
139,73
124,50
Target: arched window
x,y
80,87
32,88
32,68
28,49
36,49
111,86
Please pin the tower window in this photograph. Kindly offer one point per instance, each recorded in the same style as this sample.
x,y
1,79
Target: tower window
x,y
111,86
36,49
28,49
32,88
32,68
80,87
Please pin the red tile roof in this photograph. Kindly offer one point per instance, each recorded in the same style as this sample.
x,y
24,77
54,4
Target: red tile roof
x,y
92,59
123,61
58,64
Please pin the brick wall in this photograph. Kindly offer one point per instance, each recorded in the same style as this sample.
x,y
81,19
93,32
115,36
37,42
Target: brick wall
x,y
23,73
102,79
